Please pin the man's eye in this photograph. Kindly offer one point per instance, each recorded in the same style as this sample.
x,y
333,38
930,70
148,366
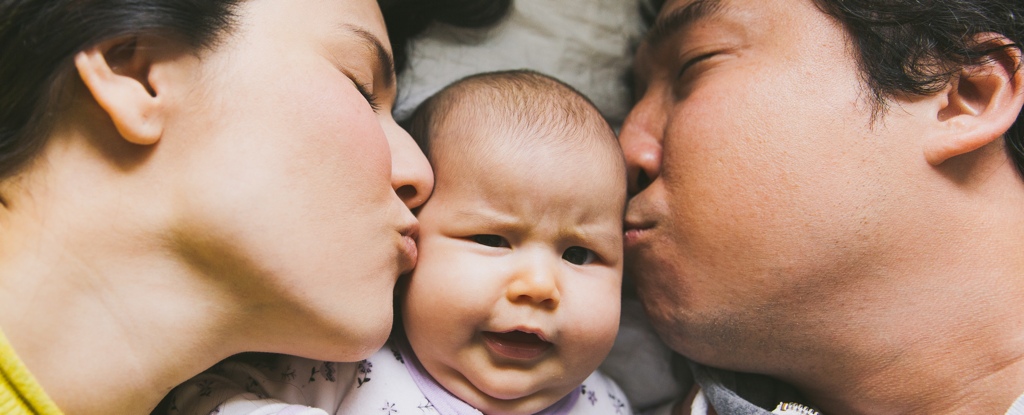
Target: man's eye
x,y
690,63
491,240
579,256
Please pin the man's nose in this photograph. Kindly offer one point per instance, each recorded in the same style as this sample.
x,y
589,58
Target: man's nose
x,y
411,176
641,139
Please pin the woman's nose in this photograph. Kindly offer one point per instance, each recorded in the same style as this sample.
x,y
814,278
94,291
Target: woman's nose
x,y
641,139
411,176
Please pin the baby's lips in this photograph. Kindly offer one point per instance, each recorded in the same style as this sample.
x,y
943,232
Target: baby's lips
x,y
517,344
520,336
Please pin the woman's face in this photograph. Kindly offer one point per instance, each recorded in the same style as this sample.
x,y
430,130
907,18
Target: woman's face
x,y
293,166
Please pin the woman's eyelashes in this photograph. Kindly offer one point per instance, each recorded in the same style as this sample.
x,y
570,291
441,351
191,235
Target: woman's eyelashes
x,y
579,255
494,241
369,96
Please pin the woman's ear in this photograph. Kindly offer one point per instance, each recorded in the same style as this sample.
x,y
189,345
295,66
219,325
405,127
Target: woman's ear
x,y
118,75
981,103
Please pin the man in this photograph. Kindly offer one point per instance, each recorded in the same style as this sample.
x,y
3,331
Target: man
x,y
828,194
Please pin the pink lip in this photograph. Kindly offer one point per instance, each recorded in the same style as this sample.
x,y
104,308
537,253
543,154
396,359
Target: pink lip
x,y
635,232
517,344
409,250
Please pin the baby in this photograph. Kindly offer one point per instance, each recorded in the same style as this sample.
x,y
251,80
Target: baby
x,y
515,298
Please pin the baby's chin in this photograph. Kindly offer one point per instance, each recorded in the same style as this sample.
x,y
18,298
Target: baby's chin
x,y
523,396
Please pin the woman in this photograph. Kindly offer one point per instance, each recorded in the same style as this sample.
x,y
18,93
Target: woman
x,y
184,180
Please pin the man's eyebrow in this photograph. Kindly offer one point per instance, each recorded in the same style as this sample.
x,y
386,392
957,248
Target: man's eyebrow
x,y
385,62
681,19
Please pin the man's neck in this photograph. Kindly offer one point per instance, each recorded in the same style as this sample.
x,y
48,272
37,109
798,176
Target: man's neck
x,y
947,354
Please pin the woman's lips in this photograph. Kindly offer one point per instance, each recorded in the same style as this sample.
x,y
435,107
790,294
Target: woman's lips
x,y
410,253
516,344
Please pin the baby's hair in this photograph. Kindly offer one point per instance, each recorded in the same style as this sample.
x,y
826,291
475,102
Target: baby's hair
x,y
526,103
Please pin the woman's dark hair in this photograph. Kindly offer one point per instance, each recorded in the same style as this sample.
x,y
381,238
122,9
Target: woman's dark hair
x,y
407,18
918,46
39,38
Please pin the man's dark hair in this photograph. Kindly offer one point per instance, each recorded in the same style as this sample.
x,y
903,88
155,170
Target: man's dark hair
x,y
918,46
39,38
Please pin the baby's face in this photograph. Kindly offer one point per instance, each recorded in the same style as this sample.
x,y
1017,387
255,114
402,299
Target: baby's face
x,y
515,299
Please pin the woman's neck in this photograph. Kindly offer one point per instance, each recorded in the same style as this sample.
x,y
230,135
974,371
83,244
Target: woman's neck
x,y
105,318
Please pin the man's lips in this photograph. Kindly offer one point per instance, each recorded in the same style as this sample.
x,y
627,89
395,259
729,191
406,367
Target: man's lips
x,y
634,231
516,344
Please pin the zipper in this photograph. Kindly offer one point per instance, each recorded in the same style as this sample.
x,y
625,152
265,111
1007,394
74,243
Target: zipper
x,y
790,408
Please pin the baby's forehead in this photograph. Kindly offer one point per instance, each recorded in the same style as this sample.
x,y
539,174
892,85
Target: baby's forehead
x,y
538,120
523,142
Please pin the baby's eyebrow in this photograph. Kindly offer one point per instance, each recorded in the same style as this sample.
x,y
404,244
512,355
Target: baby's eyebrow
x,y
490,218
604,239
681,19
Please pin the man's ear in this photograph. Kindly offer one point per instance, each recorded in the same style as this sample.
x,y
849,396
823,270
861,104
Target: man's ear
x,y
981,103
118,74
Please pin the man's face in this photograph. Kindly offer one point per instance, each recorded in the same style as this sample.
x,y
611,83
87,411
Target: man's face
x,y
760,193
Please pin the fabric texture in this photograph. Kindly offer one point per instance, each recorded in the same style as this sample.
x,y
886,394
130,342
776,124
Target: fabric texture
x,y
19,392
389,382
732,393
1018,407
585,43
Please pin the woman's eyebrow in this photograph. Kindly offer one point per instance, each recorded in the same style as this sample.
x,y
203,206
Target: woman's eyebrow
x,y
681,19
385,62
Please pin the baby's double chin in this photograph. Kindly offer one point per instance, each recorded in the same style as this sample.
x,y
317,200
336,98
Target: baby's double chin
x,y
506,401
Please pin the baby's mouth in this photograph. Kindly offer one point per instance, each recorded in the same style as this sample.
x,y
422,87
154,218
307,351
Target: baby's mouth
x,y
516,344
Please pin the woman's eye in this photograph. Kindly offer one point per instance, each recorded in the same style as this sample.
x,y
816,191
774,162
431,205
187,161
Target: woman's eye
x,y
491,240
578,255
370,98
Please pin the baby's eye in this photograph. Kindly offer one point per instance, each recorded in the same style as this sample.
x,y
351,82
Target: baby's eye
x,y
578,255
491,240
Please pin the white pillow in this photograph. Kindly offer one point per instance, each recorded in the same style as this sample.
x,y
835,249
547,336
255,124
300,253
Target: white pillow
x,y
585,43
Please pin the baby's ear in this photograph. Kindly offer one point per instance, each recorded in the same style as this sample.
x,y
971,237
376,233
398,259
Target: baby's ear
x,y
122,76
981,102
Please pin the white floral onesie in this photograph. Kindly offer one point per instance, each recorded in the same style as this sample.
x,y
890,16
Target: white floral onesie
x,y
390,382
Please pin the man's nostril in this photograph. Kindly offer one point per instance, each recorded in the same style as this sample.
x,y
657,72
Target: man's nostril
x,y
642,181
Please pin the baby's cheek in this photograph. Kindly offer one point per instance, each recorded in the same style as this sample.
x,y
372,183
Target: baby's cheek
x,y
595,324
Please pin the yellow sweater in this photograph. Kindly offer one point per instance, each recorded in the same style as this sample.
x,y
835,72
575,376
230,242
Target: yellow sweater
x,y
19,392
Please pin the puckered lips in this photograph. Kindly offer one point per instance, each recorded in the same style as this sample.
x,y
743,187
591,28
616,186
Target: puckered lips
x,y
634,231
517,344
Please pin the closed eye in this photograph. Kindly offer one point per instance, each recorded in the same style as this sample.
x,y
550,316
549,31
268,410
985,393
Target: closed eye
x,y
494,241
690,63
579,255
370,97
